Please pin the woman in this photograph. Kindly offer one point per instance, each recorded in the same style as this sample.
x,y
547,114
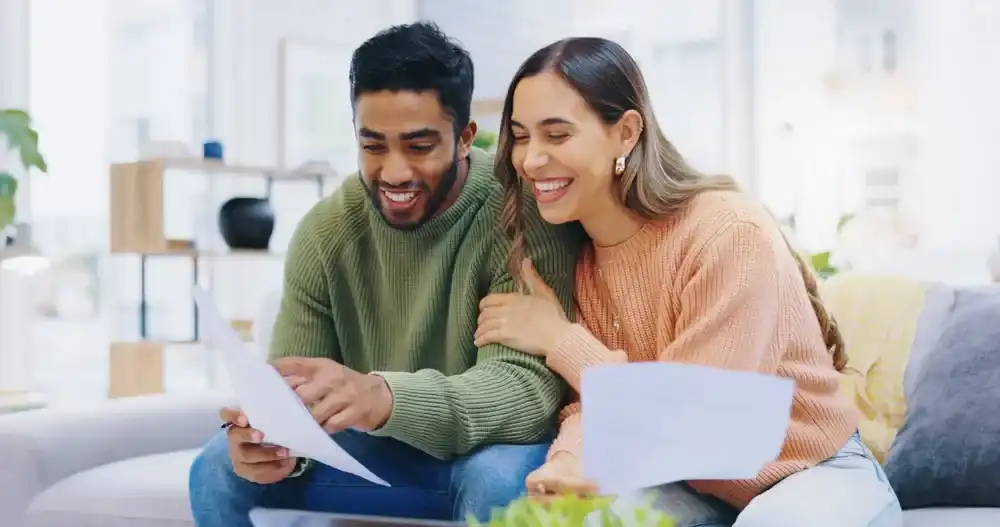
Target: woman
x,y
682,268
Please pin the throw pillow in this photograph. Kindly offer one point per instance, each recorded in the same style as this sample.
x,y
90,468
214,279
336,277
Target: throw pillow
x,y
947,452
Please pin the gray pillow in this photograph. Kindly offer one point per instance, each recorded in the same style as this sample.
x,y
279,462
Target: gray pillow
x,y
947,452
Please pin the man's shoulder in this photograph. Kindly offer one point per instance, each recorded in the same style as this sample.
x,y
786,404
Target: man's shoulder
x,y
537,231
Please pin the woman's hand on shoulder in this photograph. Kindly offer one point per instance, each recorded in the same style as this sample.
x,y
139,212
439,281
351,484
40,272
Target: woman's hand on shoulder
x,y
531,322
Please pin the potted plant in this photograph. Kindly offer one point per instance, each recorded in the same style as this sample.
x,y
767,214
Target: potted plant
x,y
572,511
16,129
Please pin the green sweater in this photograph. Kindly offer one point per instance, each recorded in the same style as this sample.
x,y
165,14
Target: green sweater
x,y
404,304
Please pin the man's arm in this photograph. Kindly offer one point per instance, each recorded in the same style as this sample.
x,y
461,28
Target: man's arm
x,y
508,396
304,327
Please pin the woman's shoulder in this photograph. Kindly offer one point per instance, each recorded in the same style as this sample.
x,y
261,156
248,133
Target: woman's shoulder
x,y
712,212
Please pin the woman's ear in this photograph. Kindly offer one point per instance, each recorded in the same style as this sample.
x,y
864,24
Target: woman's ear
x,y
629,129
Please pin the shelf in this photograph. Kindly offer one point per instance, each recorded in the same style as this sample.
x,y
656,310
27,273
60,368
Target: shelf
x,y
195,253
137,197
211,167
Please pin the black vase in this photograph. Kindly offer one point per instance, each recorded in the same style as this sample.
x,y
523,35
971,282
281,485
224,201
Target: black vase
x,y
247,223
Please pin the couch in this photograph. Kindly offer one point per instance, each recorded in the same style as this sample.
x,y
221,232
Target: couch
x,y
125,463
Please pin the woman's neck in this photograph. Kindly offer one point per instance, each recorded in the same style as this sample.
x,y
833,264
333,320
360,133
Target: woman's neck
x,y
611,223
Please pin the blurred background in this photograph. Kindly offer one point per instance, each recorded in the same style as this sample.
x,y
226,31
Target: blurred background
x,y
869,128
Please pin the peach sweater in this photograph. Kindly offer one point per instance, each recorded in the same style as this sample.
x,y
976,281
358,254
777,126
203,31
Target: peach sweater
x,y
713,285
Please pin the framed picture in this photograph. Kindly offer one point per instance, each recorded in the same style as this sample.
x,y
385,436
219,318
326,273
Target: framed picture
x,y
315,121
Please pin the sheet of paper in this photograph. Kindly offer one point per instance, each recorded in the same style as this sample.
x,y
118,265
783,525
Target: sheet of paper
x,y
269,404
650,423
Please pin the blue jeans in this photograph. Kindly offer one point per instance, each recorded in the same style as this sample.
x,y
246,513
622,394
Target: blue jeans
x,y
422,486
847,490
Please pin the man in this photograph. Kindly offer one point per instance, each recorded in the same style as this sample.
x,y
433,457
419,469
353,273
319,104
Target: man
x,y
375,332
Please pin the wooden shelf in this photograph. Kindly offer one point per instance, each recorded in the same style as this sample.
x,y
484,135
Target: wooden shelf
x,y
137,196
196,253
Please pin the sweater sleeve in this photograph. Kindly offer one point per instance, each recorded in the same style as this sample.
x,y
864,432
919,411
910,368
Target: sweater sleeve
x,y
729,301
304,326
507,396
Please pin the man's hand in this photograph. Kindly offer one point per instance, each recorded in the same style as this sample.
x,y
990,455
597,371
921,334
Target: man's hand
x,y
252,459
337,396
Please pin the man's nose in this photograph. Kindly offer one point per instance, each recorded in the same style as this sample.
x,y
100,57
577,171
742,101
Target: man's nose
x,y
396,171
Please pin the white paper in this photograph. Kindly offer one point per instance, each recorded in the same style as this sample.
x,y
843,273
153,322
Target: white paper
x,y
268,403
646,424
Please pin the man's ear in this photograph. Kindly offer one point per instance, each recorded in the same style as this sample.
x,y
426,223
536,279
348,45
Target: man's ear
x,y
629,129
465,140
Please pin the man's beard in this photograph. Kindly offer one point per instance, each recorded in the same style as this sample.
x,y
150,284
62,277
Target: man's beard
x,y
437,196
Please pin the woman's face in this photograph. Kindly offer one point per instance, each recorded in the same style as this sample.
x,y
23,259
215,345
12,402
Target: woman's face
x,y
562,149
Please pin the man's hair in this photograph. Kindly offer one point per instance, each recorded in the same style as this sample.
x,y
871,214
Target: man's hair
x,y
416,57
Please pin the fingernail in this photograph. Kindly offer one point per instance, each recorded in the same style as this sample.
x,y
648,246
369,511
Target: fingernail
x,y
241,420
256,436
283,452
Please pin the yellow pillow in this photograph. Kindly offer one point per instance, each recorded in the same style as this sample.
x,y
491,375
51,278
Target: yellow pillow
x,y
878,318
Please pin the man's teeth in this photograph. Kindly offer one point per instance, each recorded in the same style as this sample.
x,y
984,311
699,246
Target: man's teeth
x,y
400,197
549,186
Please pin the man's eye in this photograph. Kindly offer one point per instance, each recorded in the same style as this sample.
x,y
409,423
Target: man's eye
x,y
422,148
374,149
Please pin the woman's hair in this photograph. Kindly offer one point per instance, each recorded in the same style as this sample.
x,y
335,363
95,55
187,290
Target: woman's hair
x,y
657,181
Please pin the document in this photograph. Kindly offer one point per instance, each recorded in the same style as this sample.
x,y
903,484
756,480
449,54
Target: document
x,y
646,424
269,404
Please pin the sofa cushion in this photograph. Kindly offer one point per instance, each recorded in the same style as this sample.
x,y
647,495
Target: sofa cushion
x,y
946,453
950,516
151,491
881,318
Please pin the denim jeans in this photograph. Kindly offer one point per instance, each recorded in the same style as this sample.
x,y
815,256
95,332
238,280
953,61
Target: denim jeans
x,y
849,489
422,486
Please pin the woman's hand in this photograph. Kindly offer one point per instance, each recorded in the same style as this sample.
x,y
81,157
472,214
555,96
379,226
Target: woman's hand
x,y
531,322
559,476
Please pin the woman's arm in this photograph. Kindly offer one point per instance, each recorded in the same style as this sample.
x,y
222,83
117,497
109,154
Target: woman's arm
x,y
570,438
730,302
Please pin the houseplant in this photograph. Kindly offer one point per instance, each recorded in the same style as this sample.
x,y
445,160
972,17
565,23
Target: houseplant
x,y
19,134
572,511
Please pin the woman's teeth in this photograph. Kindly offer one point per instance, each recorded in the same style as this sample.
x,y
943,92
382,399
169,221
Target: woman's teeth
x,y
551,185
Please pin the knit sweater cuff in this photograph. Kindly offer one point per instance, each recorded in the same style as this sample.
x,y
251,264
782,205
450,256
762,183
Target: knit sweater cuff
x,y
414,412
577,349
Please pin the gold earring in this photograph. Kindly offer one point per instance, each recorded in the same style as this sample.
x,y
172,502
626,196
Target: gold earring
x,y
620,165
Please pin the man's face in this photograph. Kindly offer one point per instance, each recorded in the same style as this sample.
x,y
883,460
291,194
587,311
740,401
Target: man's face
x,y
408,154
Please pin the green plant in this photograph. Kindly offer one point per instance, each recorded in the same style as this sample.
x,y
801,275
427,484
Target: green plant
x,y
16,126
572,511
484,140
820,261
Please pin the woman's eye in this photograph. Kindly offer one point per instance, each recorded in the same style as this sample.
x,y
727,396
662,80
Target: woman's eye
x,y
520,138
558,137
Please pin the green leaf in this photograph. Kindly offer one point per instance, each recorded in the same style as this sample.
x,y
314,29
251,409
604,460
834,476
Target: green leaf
x,y
820,261
484,140
844,220
16,125
570,511
8,206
